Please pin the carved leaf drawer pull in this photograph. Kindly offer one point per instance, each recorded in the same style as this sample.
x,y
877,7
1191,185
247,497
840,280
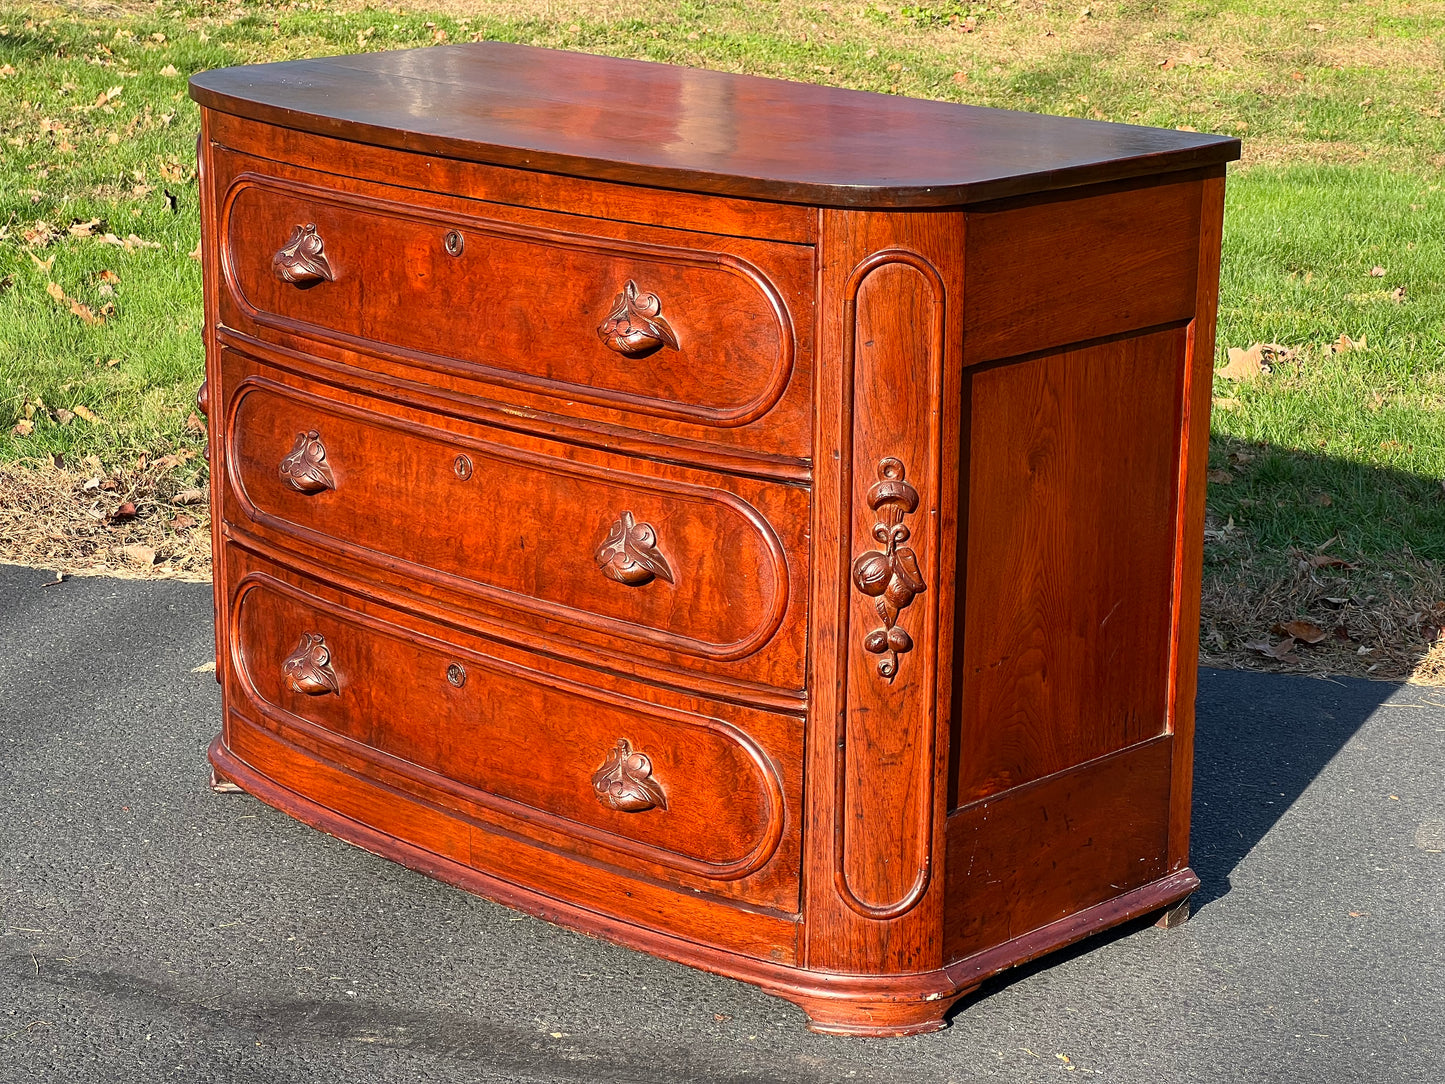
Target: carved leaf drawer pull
x,y
305,469
302,260
625,781
308,668
630,554
890,575
634,327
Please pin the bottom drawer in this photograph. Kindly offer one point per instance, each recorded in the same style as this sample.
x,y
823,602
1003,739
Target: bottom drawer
x,y
691,793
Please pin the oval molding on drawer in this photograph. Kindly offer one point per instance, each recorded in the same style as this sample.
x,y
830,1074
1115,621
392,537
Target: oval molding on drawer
x,y
522,530
519,308
513,740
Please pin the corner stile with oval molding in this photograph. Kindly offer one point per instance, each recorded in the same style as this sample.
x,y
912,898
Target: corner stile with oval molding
x,y
891,317
897,299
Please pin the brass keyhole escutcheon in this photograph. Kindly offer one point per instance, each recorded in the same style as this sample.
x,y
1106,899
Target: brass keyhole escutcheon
x,y
457,674
454,243
462,467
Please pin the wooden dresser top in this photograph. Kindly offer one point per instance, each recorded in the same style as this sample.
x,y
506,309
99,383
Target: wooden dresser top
x,y
694,130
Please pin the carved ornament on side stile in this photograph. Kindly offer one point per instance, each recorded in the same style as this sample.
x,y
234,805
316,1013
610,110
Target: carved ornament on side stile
x,y
891,575
625,783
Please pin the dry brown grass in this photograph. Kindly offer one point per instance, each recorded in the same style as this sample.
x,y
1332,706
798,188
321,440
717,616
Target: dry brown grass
x,y
76,522
1382,621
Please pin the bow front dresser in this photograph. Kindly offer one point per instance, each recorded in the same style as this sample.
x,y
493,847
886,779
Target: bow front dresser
x,y
756,523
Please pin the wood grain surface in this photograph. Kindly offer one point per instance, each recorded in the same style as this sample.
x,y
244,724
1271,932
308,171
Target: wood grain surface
x,y
519,535
699,131
1070,559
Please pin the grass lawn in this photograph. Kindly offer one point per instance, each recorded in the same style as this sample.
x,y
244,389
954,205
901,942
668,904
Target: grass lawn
x,y
1326,501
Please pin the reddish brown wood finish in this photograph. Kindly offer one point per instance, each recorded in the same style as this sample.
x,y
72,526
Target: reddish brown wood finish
x,y
518,536
528,341
1081,266
1040,852
532,298
698,131
1070,559
1189,552
679,506
458,722
428,174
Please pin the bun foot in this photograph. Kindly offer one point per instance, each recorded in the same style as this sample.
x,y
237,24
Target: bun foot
x,y
877,1019
1177,915
221,785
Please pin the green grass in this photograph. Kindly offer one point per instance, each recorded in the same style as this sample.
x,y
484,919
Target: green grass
x,y
1340,111
1366,429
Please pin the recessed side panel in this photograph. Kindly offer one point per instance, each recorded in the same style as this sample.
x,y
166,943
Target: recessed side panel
x,y
1072,473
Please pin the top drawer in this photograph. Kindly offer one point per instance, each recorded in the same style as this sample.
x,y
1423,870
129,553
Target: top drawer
x,y
698,335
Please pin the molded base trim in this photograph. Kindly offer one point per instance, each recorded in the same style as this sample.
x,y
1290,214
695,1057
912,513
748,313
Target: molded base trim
x,y
836,1004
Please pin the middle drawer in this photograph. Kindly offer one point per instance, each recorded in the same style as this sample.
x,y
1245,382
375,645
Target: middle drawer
x,y
696,570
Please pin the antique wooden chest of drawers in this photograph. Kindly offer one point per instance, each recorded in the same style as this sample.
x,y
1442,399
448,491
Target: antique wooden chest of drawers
x,y
756,523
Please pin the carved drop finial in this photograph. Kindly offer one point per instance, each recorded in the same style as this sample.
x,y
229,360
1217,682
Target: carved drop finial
x,y
630,554
302,259
635,325
890,576
625,783
306,469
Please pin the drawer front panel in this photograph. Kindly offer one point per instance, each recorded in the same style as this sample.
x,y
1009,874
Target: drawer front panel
x,y
698,334
676,791
658,560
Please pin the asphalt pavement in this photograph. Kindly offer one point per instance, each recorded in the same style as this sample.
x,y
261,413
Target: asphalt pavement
x,y
151,930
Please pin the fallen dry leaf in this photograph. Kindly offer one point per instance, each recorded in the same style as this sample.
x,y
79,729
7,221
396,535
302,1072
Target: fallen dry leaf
x,y
24,427
108,276
1377,272
194,424
189,496
1397,295
1220,477
183,522
205,668
1325,560
1283,651
1306,632
54,290
1244,365
86,413
139,553
1344,344
126,511
1324,500
960,77
85,312
169,69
